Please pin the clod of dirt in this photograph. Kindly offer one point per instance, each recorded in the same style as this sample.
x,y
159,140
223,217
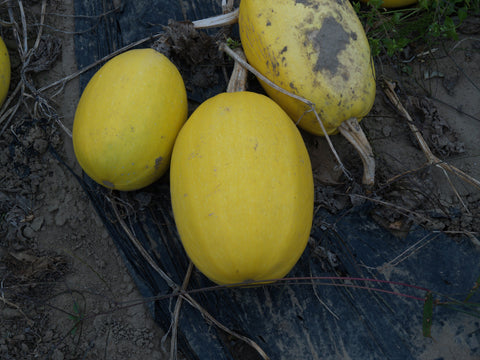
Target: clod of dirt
x,y
339,197
194,52
450,82
32,266
441,138
45,55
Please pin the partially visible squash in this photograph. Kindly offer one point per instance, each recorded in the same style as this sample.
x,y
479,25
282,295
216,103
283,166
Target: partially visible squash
x,y
317,50
242,189
395,3
127,120
4,71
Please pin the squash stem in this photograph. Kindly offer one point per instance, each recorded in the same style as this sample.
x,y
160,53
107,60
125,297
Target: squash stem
x,y
228,18
238,78
353,132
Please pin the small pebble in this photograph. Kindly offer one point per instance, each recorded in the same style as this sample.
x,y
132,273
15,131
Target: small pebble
x,y
37,223
60,218
58,355
387,130
129,288
19,337
48,336
9,313
28,232
53,207
40,146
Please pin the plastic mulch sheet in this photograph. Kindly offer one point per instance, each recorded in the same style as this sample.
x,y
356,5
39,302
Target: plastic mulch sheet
x,y
295,319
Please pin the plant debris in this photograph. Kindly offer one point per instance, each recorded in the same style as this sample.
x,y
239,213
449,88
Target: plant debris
x,y
194,52
45,55
439,135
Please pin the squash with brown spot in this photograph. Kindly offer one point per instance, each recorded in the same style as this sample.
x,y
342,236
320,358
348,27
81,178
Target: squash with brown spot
x,y
128,118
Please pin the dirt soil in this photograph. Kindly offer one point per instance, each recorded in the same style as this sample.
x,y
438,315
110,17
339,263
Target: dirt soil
x,y
58,264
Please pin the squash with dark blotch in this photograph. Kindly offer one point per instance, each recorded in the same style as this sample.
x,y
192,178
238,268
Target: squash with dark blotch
x,y
318,50
128,118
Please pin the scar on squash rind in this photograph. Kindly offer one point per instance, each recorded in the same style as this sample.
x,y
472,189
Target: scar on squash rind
x,y
158,162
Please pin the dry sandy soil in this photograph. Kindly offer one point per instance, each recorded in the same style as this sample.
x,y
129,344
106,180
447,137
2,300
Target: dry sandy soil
x,y
58,262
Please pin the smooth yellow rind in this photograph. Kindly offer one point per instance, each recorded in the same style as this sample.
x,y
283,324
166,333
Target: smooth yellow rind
x,y
127,120
242,189
316,49
4,71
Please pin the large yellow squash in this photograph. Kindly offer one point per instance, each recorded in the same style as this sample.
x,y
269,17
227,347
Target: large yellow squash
x,y
127,120
242,189
316,49
4,71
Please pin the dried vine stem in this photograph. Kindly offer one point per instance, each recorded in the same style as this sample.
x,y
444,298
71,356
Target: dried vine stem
x,y
177,289
228,18
214,321
140,247
15,306
238,59
25,89
389,90
176,314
